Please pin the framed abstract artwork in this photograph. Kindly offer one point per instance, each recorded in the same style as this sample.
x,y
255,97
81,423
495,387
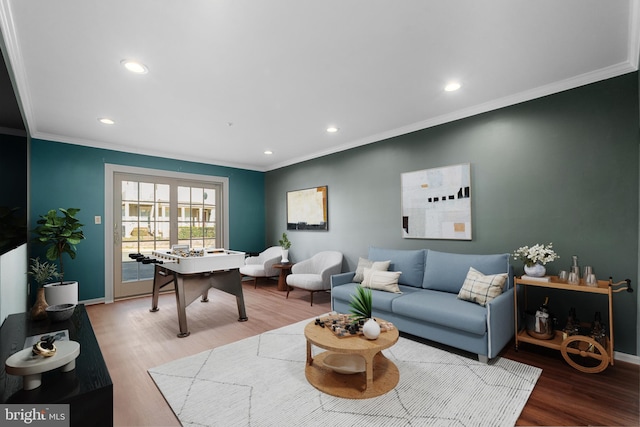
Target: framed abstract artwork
x,y
436,203
307,209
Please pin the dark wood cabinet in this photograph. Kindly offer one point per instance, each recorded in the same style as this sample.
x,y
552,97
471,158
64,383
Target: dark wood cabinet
x,y
87,389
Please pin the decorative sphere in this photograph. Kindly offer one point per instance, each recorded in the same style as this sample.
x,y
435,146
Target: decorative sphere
x,y
371,329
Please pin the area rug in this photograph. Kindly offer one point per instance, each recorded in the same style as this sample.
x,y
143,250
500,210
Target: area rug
x,y
260,381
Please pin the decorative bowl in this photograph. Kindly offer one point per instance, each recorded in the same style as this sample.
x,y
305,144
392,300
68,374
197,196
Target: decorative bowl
x,y
345,363
60,312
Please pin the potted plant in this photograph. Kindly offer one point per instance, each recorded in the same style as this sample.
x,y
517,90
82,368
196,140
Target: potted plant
x,y
60,235
41,272
361,310
535,258
285,244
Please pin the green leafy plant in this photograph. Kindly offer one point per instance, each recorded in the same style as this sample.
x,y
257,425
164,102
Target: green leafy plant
x,y
60,234
284,242
42,272
361,303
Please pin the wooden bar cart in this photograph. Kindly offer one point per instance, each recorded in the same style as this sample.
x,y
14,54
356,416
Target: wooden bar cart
x,y
580,345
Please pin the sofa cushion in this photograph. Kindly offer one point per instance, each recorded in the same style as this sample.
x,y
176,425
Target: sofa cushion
x,y
410,262
447,272
381,280
367,263
480,288
380,300
442,308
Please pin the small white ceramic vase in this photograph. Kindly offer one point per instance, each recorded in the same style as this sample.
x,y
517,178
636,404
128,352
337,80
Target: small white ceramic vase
x,y
536,270
371,329
285,256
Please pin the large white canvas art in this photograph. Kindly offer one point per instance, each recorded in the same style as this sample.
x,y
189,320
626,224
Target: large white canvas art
x,y
436,203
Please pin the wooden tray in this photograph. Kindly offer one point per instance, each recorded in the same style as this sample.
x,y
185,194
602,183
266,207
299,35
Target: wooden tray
x,y
338,323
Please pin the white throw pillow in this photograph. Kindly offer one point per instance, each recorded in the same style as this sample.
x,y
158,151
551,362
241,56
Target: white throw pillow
x,y
381,280
481,289
365,263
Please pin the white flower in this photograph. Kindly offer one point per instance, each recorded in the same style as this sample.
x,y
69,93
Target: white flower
x,y
537,254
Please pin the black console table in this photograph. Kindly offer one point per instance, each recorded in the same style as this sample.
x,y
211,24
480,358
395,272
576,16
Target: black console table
x,y
87,389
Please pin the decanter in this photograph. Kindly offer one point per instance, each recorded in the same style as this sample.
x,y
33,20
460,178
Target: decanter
x,y
598,330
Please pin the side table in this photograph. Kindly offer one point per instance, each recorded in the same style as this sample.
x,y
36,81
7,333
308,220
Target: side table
x,y
87,389
285,270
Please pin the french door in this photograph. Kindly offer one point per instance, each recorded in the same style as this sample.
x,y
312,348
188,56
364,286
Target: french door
x,y
154,213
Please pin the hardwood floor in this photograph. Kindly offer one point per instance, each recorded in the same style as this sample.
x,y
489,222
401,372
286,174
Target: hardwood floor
x,y
133,340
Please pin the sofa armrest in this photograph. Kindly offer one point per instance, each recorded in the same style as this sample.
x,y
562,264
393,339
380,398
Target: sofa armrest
x,y
500,322
342,278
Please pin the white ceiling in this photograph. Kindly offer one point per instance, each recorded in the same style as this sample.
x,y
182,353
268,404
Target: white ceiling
x,y
229,79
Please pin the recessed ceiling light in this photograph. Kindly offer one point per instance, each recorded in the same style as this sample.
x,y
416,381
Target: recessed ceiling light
x,y
106,121
134,66
450,87
268,152
332,129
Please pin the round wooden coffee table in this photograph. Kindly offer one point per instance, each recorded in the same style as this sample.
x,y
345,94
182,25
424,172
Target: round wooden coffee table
x,y
380,374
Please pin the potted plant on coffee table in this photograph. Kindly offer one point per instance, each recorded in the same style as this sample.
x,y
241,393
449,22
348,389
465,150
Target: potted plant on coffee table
x,y
361,309
60,234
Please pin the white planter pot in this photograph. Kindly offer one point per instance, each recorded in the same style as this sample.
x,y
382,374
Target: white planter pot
x,y
285,256
65,293
536,270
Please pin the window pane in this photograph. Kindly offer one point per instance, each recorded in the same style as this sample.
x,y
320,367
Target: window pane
x,y
184,195
147,191
196,196
129,190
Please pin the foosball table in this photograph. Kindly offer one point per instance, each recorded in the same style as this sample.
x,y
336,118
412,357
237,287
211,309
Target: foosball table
x,y
193,272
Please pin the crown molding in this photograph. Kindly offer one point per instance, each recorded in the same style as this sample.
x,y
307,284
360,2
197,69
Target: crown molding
x,y
539,92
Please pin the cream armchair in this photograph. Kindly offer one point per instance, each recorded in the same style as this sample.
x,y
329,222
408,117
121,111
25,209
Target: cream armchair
x,y
262,265
314,274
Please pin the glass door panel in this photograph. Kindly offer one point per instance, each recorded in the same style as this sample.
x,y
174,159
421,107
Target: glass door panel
x,y
197,217
145,226
154,214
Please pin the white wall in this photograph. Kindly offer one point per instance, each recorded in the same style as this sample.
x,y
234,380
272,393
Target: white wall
x,y
13,282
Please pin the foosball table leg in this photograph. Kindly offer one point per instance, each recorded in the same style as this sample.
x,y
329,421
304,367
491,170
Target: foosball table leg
x,y
241,311
161,278
181,306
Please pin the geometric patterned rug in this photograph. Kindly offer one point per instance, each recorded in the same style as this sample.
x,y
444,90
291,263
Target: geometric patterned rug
x,y
260,381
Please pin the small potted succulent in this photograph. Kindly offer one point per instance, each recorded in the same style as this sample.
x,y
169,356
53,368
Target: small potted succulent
x,y
41,272
285,244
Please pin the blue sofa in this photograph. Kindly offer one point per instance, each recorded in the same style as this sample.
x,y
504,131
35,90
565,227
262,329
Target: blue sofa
x,y
429,306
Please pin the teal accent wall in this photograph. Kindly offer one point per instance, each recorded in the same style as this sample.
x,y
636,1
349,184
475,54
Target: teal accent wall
x,y
563,169
65,175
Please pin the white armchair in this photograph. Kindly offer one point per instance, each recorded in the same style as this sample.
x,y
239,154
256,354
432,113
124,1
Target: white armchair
x,y
314,274
262,265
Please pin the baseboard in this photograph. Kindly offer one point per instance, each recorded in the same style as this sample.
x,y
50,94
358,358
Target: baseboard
x,y
624,357
92,301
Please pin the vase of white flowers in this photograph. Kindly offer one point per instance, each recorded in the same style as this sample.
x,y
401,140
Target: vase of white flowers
x,y
535,258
